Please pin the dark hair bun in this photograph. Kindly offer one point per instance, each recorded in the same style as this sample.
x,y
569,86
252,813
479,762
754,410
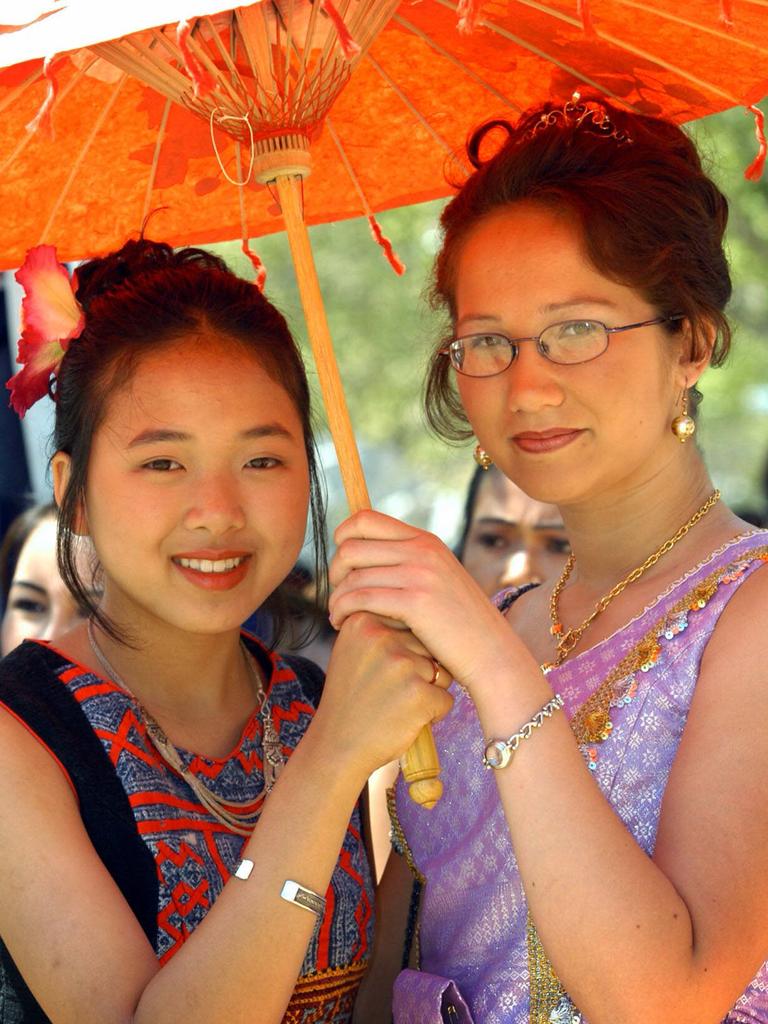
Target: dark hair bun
x,y
137,257
479,135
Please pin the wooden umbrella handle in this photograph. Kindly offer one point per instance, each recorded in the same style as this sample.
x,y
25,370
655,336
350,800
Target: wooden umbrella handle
x,y
420,764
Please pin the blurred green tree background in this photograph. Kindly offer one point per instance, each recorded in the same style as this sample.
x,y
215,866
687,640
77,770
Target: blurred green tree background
x,y
734,414
383,329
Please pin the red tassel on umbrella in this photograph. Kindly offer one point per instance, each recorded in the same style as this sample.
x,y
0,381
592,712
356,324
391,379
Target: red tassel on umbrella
x,y
257,264
348,45
755,169
42,118
726,13
202,80
394,260
585,13
468,12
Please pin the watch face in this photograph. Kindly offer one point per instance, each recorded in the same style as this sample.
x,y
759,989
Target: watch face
x,y
497,754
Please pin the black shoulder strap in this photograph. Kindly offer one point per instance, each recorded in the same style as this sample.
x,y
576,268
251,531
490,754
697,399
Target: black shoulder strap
x,y
31,689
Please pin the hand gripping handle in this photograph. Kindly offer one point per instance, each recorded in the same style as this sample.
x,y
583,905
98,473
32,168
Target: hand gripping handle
x,y
421,766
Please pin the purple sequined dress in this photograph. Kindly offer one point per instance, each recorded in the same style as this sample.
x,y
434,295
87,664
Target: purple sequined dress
x,y
472,935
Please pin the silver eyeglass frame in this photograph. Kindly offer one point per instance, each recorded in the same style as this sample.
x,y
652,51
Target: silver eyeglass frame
x,y
514,343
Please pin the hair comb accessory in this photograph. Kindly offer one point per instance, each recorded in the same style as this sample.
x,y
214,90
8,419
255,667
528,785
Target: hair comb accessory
x,y
590,115
50,318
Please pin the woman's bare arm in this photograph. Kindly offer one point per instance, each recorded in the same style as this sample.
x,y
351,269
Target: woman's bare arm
x,y
73,936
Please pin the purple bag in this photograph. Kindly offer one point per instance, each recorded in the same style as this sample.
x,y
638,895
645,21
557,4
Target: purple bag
x,y
423,998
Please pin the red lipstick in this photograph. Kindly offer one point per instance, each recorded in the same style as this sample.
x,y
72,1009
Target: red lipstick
x,y
537,442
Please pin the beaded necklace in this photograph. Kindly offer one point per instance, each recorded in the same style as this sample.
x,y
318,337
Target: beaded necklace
x,y
239,821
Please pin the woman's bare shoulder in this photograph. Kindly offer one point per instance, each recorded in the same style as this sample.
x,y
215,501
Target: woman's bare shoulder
x,y
62,918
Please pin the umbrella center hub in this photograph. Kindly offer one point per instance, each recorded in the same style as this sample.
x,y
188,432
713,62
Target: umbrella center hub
x,y
278,155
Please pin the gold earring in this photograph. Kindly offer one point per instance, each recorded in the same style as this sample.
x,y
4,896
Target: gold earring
x,y
482,458
683,426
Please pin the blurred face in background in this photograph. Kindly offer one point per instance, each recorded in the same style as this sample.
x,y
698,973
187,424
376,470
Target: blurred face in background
x,y
39,605
512,539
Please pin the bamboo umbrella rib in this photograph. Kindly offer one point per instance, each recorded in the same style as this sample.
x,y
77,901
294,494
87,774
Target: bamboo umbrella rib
x,y
161,38
367,210
129,55
156,159
366,206
201,52
607,38
498,30
235,84
456,62
77,164
505,34
710,30
21,146
366,21
663,14
144,65
331,38
543,9
231,58
258,52
29,136
287,49
365,24
226,58
410,105
674,68
308,39
278,57
349,169
253,33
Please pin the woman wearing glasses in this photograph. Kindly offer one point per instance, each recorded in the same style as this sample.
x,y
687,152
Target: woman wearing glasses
x,y
599,851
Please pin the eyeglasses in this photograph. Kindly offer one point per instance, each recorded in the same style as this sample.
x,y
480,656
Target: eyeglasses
x,y
566,343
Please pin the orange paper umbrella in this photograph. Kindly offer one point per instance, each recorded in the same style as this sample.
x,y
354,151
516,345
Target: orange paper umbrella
x,y
123,147
218,120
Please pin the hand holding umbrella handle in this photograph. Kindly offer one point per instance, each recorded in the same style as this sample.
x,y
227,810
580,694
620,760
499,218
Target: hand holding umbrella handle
x,y
420,764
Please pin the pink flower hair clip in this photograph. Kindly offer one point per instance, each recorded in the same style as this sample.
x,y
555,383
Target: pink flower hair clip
x,y
51,318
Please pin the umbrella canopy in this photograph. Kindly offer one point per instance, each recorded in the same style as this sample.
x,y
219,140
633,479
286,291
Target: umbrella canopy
x,y
121,148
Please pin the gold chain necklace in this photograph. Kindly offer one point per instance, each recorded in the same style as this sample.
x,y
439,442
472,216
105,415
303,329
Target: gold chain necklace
x,y
569,638
239,820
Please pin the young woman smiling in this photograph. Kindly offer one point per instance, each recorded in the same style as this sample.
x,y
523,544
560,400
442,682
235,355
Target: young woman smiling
x,y
179,829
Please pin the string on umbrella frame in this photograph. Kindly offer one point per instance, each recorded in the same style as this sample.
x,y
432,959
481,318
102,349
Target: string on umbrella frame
x,y
220,117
